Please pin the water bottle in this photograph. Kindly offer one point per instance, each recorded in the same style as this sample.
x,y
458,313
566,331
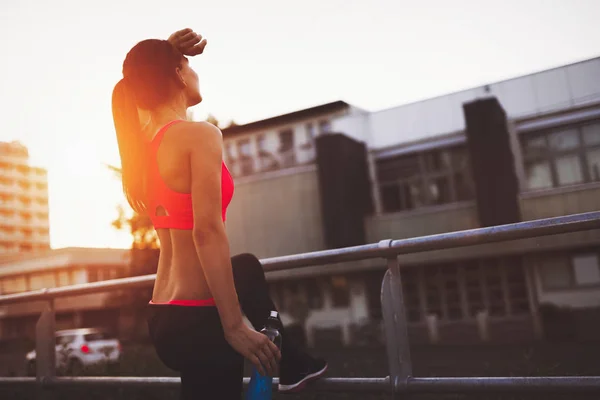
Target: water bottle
x,y
260,387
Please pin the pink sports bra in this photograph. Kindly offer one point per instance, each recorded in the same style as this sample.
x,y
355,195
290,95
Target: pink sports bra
x,y
178,206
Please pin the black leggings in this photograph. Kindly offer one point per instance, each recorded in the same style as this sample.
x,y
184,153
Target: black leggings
x,y
190,340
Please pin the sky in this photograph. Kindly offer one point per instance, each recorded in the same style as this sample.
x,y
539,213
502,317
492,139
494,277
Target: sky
x,y
62,58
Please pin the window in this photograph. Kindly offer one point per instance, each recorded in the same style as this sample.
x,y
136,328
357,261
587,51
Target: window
x,y
324,126
423,179
562,157
286,148
586,269
245,157
63,278
313,294
14,284
267,160
93,275
97,336
564,271
42,280
65,340
228,153
458,291
310,132
340,294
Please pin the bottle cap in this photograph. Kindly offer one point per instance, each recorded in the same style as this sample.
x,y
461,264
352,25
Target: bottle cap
x,y
274,314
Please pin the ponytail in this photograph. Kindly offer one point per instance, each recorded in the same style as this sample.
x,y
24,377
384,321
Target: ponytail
x,y
132,146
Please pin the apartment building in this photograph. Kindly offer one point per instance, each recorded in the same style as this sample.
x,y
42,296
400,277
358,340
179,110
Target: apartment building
x,y
56,268
24,224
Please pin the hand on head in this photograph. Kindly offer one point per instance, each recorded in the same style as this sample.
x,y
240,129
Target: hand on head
x,y
188,42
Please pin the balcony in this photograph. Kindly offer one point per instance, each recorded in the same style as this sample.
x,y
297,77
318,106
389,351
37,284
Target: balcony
x,y
8,205
9,219
39,238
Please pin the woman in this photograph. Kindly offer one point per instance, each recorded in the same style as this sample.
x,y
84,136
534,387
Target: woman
x,y
173,171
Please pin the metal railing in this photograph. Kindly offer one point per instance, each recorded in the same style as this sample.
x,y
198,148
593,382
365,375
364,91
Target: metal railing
x,y
400,379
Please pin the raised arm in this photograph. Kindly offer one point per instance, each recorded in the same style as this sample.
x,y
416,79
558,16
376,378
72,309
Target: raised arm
x,y
188,42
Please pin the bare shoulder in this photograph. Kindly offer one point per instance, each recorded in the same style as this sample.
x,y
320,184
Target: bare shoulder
x,y
202,133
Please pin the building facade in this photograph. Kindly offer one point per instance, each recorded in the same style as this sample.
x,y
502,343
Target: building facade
x,y
57,268
24,224
422,181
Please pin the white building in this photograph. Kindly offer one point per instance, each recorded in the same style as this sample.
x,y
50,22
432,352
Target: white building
x,y
24,224
422,183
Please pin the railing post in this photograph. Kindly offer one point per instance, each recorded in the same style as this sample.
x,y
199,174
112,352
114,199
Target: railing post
x,y
45,344
394,318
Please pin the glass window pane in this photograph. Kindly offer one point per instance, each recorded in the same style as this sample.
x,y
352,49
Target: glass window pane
x,y
413,195
340,292
538,175
245,156
535,146
244,148
286,140
390,198
587,269
324,126
555,272
564,140
438,160
386,172
593,159
568,170
464,186
399,168
97,336
460,158
591,134
314,294
93,275
63,278
439,191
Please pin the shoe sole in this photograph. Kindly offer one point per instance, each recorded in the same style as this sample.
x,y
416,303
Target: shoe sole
x,y
300,385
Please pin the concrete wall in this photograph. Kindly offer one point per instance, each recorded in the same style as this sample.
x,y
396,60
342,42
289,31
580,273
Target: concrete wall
x,y
276,214
560,201
421,222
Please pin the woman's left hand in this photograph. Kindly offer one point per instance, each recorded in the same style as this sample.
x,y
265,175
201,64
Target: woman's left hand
x,y
188,42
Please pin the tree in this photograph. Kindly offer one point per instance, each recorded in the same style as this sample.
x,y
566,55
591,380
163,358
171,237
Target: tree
x,y
144,245
212,119
144,261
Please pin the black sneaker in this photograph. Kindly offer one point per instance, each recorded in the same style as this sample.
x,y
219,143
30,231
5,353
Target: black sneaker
x,y
295,378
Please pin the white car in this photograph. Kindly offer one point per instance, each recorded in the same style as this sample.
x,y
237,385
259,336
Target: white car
x,y
80,348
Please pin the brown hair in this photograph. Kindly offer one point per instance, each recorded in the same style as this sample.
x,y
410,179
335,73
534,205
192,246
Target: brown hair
x,y
148,72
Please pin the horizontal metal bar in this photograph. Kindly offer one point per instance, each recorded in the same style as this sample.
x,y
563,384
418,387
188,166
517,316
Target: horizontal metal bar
x,y
551,384
500,233
520,230
76,290
371,385
541,384
541,227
